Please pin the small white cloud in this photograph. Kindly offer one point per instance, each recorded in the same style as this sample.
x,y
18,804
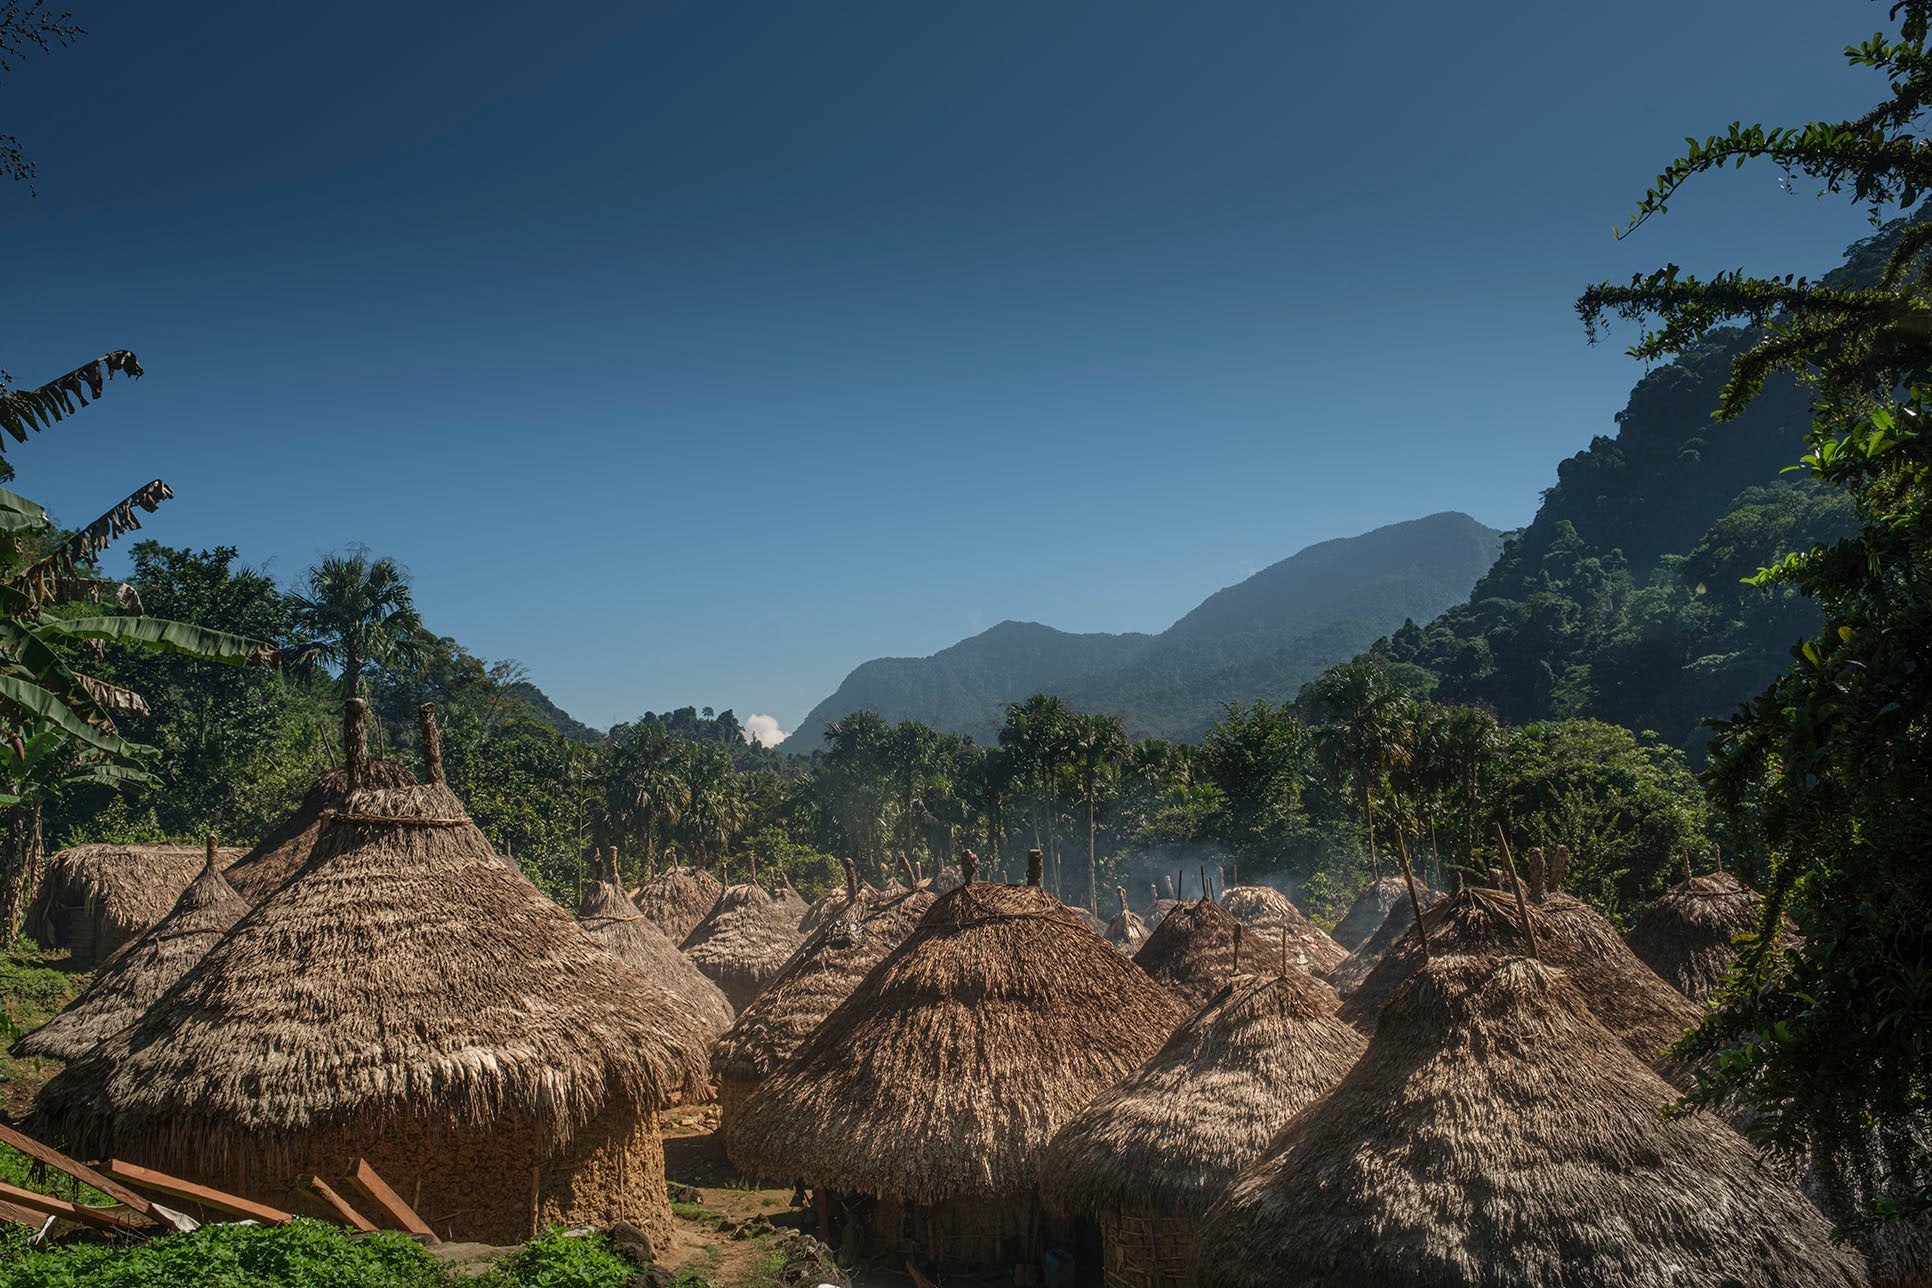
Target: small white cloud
x,y
764,731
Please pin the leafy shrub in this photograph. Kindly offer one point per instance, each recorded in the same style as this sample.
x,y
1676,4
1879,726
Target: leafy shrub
x,y
557,1260
303,1254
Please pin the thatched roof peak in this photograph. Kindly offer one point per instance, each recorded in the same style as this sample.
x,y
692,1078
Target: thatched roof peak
x,y
677,899
280,854
1269,913
1171,1137
946,1071
1626,995
745,940
405,971
614,921
1495,1133
1369,909
1199,947
1687,935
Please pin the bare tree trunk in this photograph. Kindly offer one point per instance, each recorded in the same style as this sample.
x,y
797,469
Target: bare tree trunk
x,y
1368,815
1093,887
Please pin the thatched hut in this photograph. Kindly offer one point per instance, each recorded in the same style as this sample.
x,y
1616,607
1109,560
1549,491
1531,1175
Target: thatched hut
x,y
1268,912
1126,931
144,968
408,1000
920,1107
1146,1159
1370,909
615,922
745,940
1496,1134
95,898
1626,995
1199,948
1157,907
820,975
1400,921
1687,935
280,855
677,899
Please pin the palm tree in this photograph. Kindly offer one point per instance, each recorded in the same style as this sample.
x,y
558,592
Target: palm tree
x,y
1037,732
1366,735
357,612
1099,745
645,788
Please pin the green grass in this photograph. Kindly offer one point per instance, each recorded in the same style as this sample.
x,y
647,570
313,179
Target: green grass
x,y
17,1169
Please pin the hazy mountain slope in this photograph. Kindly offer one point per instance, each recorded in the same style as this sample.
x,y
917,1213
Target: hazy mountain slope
x,y
1264,637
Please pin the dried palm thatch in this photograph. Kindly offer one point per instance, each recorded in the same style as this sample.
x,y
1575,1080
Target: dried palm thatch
x,y
615,922
947,879
936,1085
1494,1133
677,899
1087,919
1156,910
1268,912
1199,948
95,898
1150,1156
281,854
1626,995
1687,935
820,975
1370,909
1400,921
792,903
744,941
1126,931
409,1000
144,968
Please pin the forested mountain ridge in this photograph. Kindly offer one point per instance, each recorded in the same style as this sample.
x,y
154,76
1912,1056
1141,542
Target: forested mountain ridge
x,y
1263,637
1622,600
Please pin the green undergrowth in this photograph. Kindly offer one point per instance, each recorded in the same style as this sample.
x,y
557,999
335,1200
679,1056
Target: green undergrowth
x,y
557,1260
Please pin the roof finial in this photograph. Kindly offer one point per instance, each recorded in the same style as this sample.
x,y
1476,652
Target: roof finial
x,y
1207,891
1717,853
1559,867
615,876
1035,866
1538,873
851,882
1120,893
1153,895
355,743
905,869
968,867
432,743
1522,908
1684,853
211,849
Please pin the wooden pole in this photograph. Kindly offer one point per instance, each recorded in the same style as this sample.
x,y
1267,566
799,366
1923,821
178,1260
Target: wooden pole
x,y
1415,904
210,857
432,743
1035,866
355,742
968,867
1522,908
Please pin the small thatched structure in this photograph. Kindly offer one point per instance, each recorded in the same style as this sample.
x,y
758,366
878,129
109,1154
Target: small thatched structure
x,y
1199,948
409,1000
1687,935
95,898
1268,912
281,854
791,902
944,881
745,940
1371,908
820,975
1400,921
1146,1159
144,969
922,1104
1496,1134
617,924
677,899
1626,995
1126,931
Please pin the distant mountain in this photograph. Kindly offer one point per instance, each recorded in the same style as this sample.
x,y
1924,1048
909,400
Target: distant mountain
x,y
1264,637
553,715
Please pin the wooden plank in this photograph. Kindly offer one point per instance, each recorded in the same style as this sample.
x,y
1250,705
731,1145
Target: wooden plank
x,y
79,1171
324,1191
51,1206
207,1196
378,1192
35,1221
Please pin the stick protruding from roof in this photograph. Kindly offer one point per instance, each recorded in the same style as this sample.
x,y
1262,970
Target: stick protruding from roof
x,y
1035,866
1516,885
432,743
355,743
851,882
968,867
210,860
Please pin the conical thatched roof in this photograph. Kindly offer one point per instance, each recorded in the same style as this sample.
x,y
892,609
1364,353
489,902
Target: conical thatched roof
x,y
792,903
1171,1137
1626,995
1494,1133
1370,909
1686,935
677,899
1156,910
1400,921
1268,912
617,924
281,854
946,1072
1126,931
947,879
404,972
1192,953
95,898
820,975
745,941
142,970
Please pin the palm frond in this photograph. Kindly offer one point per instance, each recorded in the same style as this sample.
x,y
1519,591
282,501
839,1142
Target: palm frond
x,y
41,582
165,636
25,411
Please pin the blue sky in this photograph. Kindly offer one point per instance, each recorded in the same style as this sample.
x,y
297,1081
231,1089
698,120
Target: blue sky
x,y
695,353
